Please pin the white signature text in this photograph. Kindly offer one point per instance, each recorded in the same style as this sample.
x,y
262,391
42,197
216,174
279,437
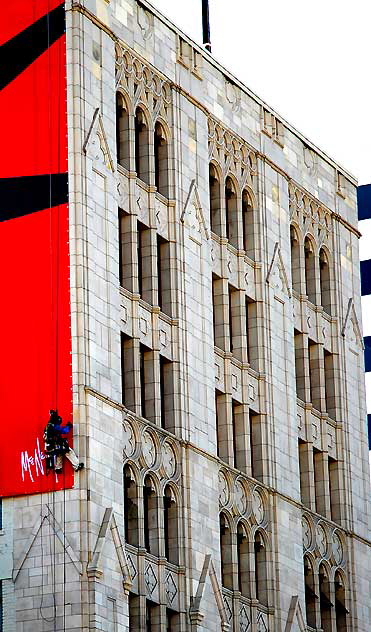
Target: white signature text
x,y
32,465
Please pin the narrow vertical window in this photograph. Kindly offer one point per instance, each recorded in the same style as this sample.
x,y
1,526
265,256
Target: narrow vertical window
x,y
256,445
300,376
240,437
122,132
310,271
172,621
141,146
126,250
340,604
316,374
150,516
153,617
171,526
128,363
295,261
214,200
161,160
231,215
142,352
243,561
167,394
220,317
252,334
164,275
248,224
230,319
321,482
147,381
134,613
261,583
145,258
130,508
221,426
140,240
330,386
335,489
305,464
247,329
226,553
310,593
325,281
325,599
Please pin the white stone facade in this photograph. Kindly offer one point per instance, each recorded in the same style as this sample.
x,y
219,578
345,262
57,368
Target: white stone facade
x,y
241,350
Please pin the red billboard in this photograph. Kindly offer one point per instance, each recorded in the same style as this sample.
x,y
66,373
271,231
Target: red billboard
x,y
35,338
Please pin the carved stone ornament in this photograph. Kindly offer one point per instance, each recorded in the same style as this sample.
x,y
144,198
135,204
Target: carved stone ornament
x,y
141,83
240,497
309,213
168,459
129,442
258,506
232,154
337,548
321,540
223,490
307,533
228,606
170,588
244,619
262,625
150,579
148,449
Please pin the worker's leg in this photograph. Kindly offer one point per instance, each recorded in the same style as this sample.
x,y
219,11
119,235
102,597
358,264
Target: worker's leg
x,y
58,463
72,457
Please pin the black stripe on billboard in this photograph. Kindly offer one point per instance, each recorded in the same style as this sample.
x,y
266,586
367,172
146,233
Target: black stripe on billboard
x,y
364,201
366,277
22,50
28,194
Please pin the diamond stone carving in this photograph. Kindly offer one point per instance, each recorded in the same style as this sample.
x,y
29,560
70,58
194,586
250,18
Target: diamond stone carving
x,y
244,620
150,579
228,607
170,588
133,570
262,626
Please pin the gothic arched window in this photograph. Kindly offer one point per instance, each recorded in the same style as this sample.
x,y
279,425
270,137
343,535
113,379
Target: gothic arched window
x,y
122,132
141,146
161,160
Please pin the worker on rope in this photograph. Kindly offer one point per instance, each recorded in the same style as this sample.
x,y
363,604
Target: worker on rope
x,y
56,444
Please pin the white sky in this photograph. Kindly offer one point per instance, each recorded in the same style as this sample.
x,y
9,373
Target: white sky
x,y
309,60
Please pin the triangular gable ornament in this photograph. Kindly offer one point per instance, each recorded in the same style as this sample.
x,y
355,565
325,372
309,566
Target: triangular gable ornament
x,y
277,276
96,145
351,326
295,611
193,216
94,567
195,613
58,532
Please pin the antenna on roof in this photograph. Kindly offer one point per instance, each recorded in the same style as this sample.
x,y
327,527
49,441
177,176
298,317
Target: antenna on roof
x,y
206,25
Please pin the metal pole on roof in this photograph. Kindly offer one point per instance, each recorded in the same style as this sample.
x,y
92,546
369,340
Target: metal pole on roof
x,y
206,25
